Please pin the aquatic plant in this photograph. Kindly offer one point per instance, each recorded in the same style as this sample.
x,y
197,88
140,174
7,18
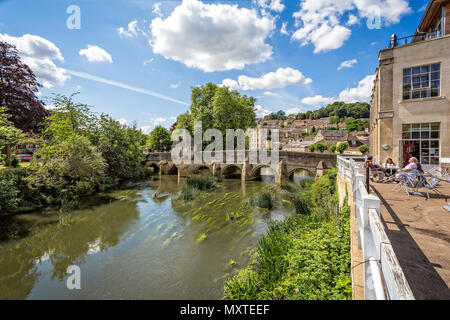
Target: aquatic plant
x,y
188,193
203,182
202,237
265,199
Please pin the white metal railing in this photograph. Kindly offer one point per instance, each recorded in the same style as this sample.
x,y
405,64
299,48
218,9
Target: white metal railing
x,y
383,276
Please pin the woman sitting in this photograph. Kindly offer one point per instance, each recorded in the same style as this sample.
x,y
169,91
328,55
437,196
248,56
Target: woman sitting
x,y
389,167
411,166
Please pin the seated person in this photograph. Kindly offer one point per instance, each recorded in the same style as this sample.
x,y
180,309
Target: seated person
x,y
372,165
411,166
389,167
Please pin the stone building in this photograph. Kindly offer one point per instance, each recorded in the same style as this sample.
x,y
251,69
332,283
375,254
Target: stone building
x,y
410,107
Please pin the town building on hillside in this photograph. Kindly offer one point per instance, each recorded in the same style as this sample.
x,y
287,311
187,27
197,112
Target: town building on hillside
x,y
330,137
410,107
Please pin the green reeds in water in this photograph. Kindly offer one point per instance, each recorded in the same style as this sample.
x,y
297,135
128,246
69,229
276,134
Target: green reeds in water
x,y
194,185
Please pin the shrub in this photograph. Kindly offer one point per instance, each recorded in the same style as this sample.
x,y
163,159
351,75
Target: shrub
x,y
9,191
15,161
342,147
363,149
333,148
67,170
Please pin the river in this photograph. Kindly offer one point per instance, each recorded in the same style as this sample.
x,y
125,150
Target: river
x,y
135,243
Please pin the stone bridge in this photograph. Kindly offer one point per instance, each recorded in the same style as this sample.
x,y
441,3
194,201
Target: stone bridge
x,y
316,164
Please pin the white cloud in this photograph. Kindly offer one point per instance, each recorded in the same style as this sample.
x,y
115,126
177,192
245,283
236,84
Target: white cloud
x,y
175,85
279,79
157,9
122,85
423,8
319,21
271,94
212,37
232,84
261,112
273,5
154,122
317,101
157,121
94,53
146,129
130,32
284,29
347,64
122,121
147,62
361,93
39,54
352,20
293,111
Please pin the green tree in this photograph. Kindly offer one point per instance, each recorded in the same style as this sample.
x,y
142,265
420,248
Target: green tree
x,y
65,170
321,147
363,149
160,140
69,118
10,136
122,148
355,125
342,147
334,120
333,148
185,121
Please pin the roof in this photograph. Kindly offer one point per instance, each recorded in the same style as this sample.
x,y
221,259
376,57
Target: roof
x,y
333,133
429,13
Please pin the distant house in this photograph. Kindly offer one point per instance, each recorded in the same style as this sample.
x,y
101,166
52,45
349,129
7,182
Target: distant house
x,y
330,137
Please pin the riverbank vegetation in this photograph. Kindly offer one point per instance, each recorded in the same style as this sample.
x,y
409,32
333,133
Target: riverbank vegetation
x,y
196,184
77,154
304,257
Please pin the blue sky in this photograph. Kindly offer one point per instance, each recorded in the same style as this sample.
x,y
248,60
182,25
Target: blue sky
x,y
137,60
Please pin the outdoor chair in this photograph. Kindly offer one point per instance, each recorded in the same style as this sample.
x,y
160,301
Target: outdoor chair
x,y
408,180
429,184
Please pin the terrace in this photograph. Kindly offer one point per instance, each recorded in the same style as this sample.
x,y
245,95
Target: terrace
x,y
418,37
419,231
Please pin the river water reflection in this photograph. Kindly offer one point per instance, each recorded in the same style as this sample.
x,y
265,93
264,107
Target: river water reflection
x,y
137,243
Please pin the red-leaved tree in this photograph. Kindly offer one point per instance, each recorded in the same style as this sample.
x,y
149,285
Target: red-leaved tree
x,y
18,87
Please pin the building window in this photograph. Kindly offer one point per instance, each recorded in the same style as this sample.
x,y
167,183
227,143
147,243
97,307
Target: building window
x,y
422,82
421,140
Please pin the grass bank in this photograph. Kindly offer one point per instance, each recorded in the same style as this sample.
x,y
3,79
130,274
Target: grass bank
x,y
305,257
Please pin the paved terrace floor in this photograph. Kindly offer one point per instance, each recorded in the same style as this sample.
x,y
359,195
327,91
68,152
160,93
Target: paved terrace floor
x,y
419,231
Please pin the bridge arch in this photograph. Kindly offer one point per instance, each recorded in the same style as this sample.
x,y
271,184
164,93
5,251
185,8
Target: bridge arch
x,y
173,170
231,171
256,172
156,168
291,174
201,169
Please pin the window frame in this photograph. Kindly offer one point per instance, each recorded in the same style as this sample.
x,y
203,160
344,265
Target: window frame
x,y
417,83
